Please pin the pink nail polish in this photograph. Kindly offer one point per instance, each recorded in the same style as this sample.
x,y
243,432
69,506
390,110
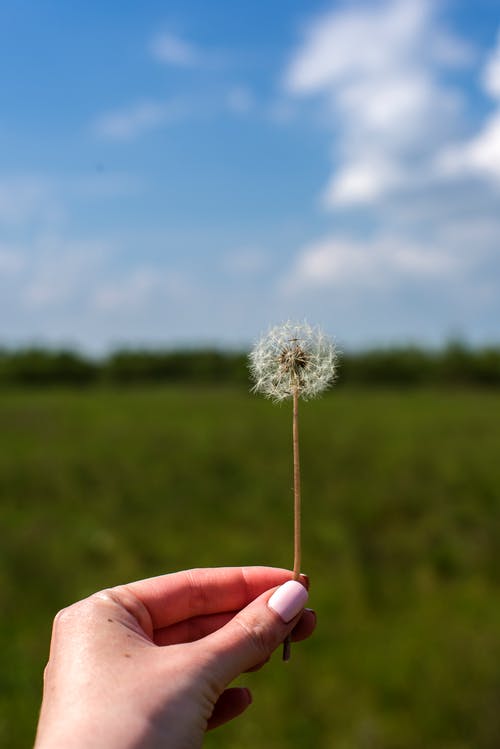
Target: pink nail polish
x,y
288,600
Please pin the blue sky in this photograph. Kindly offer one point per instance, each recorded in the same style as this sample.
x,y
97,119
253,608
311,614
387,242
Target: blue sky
x,y
192,172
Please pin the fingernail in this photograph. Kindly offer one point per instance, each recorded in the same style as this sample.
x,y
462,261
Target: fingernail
x,y
288,600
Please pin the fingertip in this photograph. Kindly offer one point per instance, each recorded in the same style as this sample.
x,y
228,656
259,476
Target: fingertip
x,y
288,600
255,632
231,703
305,626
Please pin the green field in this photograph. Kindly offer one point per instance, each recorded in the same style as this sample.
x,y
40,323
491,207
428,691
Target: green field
x,y
401,495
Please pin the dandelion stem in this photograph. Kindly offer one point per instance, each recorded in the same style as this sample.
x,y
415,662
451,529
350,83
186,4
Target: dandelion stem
x,y
296,506
291,361
296,487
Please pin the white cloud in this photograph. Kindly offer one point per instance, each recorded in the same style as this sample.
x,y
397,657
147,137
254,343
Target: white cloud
x,y
28,198
491,72
171,49
480,155
142,287
132,291
359,41
360,182
42,200
376,68
141,117
60,270
12,261
471,236
378,73
336,261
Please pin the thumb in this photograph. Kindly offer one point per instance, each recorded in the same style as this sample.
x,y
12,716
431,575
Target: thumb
x,y
255,632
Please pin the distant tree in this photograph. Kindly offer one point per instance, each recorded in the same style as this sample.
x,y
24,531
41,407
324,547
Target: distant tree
x,y
37,366
395,367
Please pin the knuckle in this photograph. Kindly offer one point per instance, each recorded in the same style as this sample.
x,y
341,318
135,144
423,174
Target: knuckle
x,y
107,594
123,599
128,600
70,616
64,616
46,673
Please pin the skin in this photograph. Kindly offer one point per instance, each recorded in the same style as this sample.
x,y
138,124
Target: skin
x,y
148,664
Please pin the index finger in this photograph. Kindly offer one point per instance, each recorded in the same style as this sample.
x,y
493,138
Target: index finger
x,y
181,595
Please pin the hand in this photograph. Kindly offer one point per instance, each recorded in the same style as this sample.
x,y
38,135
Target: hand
x,y
147,664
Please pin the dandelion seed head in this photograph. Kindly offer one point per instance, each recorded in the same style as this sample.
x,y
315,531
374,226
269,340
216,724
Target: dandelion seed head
x,y
293,357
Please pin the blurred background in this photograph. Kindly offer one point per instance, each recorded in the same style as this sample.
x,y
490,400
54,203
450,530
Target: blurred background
x,y
175,178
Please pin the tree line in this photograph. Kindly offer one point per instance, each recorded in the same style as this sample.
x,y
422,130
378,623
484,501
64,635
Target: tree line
x,y
454,364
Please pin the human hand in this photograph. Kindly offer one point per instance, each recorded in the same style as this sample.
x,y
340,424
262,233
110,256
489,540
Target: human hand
x,y
146,665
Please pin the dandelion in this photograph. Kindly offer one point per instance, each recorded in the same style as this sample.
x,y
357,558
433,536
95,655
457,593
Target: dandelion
x,y
293,361
293,358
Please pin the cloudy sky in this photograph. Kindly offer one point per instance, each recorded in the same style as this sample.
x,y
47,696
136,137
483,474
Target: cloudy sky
x,y
191,172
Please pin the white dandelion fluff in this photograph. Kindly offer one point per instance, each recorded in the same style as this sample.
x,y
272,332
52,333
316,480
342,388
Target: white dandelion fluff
x,y
293,358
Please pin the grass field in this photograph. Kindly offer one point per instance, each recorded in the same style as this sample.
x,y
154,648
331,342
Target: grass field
x,y
401,541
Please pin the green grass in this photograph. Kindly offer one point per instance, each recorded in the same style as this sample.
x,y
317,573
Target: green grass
x,y
401,540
